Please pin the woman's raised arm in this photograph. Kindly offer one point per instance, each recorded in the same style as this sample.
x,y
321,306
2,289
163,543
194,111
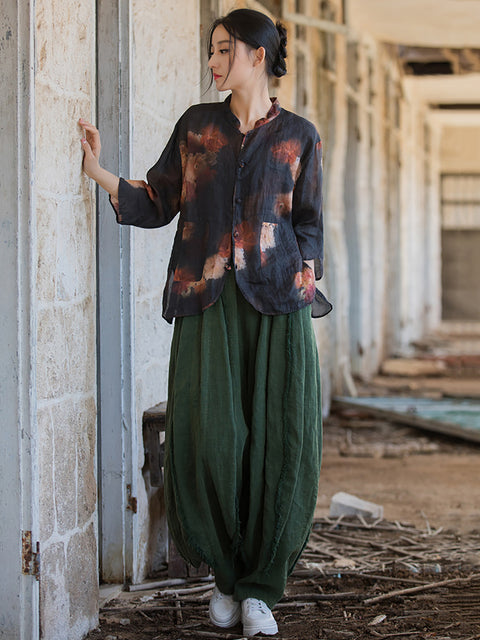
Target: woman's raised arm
x,y
91,147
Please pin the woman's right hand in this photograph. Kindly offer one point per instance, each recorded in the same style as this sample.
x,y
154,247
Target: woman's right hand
x,y
91,146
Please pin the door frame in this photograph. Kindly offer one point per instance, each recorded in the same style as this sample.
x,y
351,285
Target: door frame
x,y
19,587
117,446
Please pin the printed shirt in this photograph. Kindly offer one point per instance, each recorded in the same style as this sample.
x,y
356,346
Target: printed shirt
x,y
251,202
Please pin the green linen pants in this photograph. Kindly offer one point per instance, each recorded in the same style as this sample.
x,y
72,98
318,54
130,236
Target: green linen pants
x,y
243,443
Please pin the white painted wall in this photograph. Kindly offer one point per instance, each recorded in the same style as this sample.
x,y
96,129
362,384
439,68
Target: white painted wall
x,y
166,75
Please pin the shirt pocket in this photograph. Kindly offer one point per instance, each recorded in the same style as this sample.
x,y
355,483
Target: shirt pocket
x,y
289,244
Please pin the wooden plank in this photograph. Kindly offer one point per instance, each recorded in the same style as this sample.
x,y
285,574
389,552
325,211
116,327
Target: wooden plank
x,y
154,421
154,453
156,415
425,424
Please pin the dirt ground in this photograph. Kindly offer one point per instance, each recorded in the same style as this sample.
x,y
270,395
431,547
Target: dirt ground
x,y
440,485
417,477
430,493
345,586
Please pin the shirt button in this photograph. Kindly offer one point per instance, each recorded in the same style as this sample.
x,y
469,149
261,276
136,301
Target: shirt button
x,y
238,200
241,163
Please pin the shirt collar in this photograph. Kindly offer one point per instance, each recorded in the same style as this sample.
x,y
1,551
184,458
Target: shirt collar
x,y
272,113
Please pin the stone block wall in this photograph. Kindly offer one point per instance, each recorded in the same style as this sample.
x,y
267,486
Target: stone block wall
x,y
66,341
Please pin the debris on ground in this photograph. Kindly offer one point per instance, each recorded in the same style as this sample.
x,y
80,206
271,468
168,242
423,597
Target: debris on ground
x,y
356,579
413,367
345,504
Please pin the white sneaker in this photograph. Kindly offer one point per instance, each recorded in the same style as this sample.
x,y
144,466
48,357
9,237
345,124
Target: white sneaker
x,y
257,617
223,610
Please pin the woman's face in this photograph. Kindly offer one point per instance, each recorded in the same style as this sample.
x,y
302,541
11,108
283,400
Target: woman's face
x,y
233,64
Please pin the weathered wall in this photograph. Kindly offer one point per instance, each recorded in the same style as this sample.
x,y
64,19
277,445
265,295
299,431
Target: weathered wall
x,y
459,149
164,86
66,388
381,215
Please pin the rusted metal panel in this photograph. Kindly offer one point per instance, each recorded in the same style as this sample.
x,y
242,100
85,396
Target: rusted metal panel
x,y
30,558
131,500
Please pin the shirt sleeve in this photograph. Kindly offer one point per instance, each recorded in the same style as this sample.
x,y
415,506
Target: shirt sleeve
x,y
156,202
307,208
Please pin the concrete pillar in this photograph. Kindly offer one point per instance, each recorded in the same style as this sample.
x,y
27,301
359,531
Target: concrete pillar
x,y
378,209
433,257
337,273
66,320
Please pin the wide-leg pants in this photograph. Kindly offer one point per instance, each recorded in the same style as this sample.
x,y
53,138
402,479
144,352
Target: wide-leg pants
x,y
243,442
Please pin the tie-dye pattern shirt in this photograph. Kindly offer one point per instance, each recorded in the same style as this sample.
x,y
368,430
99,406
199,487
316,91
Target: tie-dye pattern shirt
x,y
249,202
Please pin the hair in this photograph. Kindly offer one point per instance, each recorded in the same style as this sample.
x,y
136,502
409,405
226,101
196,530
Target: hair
x,y
256,30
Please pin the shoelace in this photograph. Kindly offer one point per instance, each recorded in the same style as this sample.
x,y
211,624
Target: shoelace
x,y
257,605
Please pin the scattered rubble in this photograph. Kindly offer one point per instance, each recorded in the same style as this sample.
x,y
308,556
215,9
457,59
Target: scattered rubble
x,y
345,504
358,578
388,450
413,367
354,580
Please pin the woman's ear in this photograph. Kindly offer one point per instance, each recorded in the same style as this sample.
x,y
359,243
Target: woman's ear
x,y
259,56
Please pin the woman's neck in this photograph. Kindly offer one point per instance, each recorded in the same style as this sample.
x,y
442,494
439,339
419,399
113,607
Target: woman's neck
x,y
249,107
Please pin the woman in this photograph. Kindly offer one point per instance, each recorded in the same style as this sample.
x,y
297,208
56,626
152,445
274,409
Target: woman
x,y
243,441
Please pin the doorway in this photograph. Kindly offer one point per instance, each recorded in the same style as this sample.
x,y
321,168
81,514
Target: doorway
x,y
460,202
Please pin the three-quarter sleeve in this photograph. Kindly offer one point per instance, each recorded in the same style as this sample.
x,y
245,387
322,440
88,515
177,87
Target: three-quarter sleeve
x,y
307,220
307,215
156,202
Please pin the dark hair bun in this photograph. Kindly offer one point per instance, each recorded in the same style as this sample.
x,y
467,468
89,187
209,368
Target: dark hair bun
x,y
279,68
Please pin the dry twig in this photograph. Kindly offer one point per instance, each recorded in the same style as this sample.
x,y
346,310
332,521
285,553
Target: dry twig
x,y
425,587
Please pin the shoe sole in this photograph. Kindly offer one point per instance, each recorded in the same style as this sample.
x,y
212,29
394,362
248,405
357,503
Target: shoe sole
x,y
225,624
268,629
